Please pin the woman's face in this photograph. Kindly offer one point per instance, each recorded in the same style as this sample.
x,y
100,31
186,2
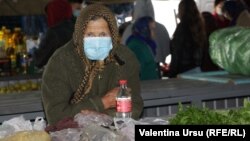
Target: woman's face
x,y
152,29
218,8
97,28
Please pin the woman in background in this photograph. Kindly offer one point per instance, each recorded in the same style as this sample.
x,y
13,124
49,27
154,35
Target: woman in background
x,y
210,26
218,16
142,44
188,40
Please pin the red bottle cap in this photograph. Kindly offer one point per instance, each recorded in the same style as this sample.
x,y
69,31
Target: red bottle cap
x,y
122,82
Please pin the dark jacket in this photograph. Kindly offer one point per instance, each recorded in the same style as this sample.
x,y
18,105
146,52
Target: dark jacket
x,y
185,53
64,73
55,37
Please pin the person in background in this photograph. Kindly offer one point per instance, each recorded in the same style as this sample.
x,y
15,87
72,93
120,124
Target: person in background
x,y
220,19
210,26
236,13
59,32
33,25
76,6
188,40
246,3
145,8
84,73
122,28
142,44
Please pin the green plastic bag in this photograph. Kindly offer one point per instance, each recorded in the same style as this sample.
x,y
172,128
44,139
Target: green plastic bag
x,y
230,49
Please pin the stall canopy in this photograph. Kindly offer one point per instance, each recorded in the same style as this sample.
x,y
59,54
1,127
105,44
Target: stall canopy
x,y
109,1
22,7
36,7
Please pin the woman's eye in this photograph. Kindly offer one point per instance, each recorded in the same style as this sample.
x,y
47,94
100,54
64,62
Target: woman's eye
x,y
103,34
89,35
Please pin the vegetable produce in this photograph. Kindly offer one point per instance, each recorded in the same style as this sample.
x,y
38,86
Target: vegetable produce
x,y
196,116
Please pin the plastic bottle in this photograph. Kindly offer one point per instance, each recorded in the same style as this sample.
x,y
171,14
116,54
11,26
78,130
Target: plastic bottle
x,y
2,45
123,101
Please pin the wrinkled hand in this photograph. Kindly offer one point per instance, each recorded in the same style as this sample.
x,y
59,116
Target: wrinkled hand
x,y
109,100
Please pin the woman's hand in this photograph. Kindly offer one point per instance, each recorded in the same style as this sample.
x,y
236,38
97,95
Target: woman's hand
x,y
109,100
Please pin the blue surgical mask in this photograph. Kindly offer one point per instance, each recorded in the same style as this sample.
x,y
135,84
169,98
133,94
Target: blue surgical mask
x,y
97,48
76,12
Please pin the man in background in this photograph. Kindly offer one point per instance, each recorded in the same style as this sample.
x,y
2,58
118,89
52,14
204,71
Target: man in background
x,y
76,6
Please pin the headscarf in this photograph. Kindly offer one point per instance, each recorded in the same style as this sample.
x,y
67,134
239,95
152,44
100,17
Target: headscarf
x,y
92,67
143,8
58,11
141,30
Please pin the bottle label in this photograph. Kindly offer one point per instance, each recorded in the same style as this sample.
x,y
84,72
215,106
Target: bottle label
x,y
123,105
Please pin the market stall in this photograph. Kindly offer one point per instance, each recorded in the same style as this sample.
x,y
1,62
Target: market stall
x,y
161,98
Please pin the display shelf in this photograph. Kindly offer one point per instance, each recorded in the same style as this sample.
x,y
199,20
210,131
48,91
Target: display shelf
x,y
21,77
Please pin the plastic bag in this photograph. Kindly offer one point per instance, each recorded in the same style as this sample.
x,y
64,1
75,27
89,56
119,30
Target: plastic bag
x,y
91,117
6,130
19,123
230,49
70,134
39,124
93,126
127,127
94,132
14,125
97,127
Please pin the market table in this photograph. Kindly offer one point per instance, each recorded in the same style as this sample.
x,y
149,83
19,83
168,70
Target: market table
x,y
161,97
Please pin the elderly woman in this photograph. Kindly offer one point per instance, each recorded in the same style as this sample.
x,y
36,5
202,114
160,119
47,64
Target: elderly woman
x,y
84,73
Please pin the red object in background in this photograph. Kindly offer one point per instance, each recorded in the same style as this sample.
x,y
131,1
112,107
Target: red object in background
x,y
58,11
165,67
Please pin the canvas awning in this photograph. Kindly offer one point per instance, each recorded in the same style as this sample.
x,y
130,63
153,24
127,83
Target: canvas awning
x,y
36,7
22,7
110,1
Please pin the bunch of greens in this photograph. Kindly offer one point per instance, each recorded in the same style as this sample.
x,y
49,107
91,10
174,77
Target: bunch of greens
x,y
197,116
